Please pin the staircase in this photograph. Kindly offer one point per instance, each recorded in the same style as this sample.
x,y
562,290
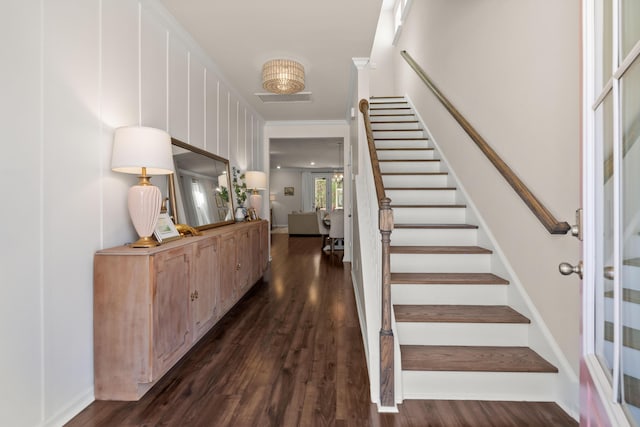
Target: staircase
x,y
458,337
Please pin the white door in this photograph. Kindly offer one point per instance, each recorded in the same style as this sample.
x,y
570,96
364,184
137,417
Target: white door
x,y
610,369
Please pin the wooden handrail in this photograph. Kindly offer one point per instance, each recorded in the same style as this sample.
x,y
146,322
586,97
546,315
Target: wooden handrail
x,y
539,210
375,164
385,225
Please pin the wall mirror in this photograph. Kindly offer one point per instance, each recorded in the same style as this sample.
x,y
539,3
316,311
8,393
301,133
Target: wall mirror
x,y
199,191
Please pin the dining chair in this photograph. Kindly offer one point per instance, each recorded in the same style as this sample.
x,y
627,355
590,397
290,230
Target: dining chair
x,y
323,229
336,229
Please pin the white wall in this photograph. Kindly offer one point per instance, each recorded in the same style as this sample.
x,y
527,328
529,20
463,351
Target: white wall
x,y
74,71
513,70
284,205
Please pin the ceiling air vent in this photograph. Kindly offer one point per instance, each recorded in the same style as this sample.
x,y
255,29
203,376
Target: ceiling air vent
x,y
294,97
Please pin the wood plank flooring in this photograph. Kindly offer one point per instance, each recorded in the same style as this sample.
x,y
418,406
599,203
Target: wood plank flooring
x,y
291,354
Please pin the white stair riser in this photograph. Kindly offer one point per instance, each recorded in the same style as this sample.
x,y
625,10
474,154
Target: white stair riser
x,y
481,334
631,277
631,357
405,154
405,117
630,313
414,167
390,111
388,103
415,180
511,386
398,134
421,197
434,237
428,215
449,294
394,125
440,263
396,143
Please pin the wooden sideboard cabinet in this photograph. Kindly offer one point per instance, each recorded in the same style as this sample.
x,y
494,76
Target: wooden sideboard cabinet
x,y
152,305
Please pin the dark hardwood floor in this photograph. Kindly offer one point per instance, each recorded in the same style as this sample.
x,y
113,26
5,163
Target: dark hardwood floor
x,y
290,354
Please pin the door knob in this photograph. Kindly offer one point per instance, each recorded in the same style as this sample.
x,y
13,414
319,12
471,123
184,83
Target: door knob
x,y
567,269
608,273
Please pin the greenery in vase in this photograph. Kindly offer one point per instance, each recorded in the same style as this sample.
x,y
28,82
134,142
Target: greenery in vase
x,y
239,186
224,194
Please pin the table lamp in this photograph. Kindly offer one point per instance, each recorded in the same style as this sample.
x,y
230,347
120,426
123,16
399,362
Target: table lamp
x,y
256,180
143,151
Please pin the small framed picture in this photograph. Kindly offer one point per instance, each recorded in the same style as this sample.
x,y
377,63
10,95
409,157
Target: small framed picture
x,y
165,229
288,191
253,215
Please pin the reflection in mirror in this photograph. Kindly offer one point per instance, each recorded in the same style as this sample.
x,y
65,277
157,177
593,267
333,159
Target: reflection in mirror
x,y
199,189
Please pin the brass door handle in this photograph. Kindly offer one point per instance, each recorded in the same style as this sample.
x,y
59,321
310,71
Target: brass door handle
x,y
567,269
608,273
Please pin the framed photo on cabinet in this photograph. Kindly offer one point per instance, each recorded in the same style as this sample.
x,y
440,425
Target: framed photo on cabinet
x,y
165,229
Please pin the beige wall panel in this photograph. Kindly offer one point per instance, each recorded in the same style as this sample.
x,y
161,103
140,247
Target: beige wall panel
x,y
223,123
244,144
178,90
196,102
235,148
520,88
71,191
153,63
20,299
211,116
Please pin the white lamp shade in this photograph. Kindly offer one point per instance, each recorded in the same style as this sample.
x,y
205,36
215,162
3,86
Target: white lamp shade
x,y
256,180
135,147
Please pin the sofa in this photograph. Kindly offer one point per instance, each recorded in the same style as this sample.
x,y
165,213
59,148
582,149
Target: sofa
x,y
303,224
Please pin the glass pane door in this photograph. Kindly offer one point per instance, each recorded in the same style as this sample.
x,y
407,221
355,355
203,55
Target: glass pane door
x,y
613,172
604,293
630,239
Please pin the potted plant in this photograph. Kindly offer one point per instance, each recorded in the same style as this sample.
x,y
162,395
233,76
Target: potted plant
x,y
240,190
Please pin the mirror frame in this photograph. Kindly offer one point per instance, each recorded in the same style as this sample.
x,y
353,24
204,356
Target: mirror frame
x,y
172,190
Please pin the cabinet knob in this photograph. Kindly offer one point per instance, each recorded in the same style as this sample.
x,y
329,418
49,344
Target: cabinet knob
x,y
238,266
193,296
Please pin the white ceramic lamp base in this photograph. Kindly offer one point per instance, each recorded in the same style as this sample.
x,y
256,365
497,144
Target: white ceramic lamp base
x,y
144,208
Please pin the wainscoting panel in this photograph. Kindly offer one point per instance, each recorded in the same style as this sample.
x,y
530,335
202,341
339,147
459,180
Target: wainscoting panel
x,y
196,102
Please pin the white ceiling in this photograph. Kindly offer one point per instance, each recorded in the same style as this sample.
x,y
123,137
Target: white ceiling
x,y
240,35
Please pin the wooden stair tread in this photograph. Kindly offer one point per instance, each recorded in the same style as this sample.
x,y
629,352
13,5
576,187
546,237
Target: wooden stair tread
x,y
401,139
409,160
628,295
405,149
435,226
633,262
390,115
473,358
448,278
414,173
394,121
632,390
420,188
429,206
458,314
439,250
630,336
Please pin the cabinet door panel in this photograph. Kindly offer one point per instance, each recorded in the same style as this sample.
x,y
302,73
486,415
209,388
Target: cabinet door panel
x,y
254,250
244,262
171,320
227,288
204,290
